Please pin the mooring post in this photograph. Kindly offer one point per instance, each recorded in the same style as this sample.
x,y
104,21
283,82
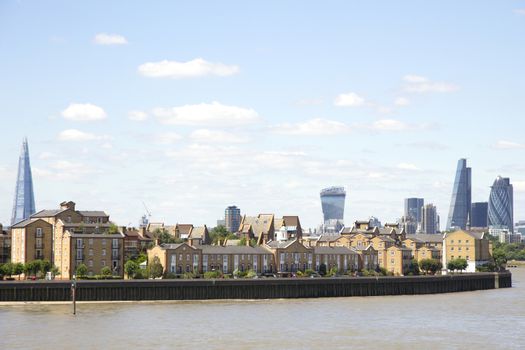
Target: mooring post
x,y
73,294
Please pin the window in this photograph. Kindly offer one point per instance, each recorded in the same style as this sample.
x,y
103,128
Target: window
x,y
38,243
180,257
90,241
79,243
451,248
91,252
90,263
79,254
466,241
451,241
467,257
39,232
466,248
103,241
103,263
459,240
187,258
103,252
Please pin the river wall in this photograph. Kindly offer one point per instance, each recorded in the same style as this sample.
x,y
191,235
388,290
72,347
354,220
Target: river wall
x,y
266,288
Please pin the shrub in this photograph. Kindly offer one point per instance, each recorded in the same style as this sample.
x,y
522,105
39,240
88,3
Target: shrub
x,y
106,271
322,269
189,275
309,272
333,272
212,274
251,274
81,270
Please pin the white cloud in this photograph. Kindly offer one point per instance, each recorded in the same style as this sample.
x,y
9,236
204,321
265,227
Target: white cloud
x,y
83,112
390,125
402,101
137,116
168,138
350,99
309,102
408,166
312,127
77,135
109,39
206,114
519,186
216,136
191,69
520,12
502,144
419,84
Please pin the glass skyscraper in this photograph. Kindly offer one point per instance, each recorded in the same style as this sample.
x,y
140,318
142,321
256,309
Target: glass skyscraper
x,y
501,204
460,204
479,214
413,208
232,218
24,203
333,205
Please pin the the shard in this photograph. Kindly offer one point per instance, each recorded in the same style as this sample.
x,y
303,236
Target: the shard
x,y
460,205
24,203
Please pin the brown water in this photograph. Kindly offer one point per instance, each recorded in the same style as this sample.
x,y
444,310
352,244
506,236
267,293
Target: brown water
x,y
492,319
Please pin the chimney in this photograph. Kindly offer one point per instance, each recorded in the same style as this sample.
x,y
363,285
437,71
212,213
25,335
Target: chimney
x,y
67,205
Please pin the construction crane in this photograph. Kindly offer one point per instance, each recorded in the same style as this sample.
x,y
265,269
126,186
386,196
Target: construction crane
x,y
144,221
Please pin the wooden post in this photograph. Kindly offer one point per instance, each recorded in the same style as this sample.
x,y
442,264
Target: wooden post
x,y
73,294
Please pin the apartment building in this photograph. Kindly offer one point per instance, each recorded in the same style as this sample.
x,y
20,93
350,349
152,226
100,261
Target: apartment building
x,y
5,245
472,246
31,239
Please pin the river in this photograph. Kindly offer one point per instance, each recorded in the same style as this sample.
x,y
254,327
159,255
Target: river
x,y
493,319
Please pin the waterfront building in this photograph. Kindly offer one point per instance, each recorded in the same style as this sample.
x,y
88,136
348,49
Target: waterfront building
x,y
413,209
291,256
183,231
501,204
176,258
333,206
288,228
5,245
473,246
136,241
430,240
241,258
398,260
460,204
24,202
430,220
479,214
199,236
31,239
232,218
420,249
82,237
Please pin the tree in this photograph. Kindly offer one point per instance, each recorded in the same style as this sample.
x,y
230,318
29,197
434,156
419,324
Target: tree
x,y
82,270
113,229
413,267
500,258
251,274
156,270
164,237
8,269
106,271
430,265
131,268
457,264
219,234
18,269
242,241
3,271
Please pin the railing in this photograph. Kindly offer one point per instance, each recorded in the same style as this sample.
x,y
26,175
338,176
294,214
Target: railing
x,y
115,256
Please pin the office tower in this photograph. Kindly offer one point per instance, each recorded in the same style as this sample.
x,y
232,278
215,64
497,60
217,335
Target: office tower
x,y
501,204
430,219
460,205
413,208
333,205
374,222
479,216
232,218
24,202
408,224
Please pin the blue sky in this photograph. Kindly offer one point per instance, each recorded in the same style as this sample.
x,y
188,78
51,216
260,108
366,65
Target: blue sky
x,y
194,106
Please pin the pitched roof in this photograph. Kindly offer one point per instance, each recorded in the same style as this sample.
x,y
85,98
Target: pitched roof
x,y
328,238
333,250
291,220
427,237
24,223
198,232
259,224
233,249
184,229
97,213
47,213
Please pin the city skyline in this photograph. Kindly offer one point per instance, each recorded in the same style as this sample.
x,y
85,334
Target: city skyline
x,y
189,114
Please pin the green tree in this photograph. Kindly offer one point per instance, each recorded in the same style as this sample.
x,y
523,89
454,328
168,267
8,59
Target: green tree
x,y
106,271
8,269
164,237
500,258
430,266
2,271
213,274
219,234
156,270
457,264
242,241
82,270
131,268
113,229
18,269
251,274
413,267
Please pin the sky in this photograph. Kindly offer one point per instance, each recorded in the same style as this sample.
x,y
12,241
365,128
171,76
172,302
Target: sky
x,y
192,106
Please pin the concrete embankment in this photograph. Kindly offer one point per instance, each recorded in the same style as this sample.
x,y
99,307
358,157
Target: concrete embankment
x,y
200,289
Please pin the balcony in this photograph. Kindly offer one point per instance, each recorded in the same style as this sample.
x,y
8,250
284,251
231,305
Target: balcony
x,y
115,256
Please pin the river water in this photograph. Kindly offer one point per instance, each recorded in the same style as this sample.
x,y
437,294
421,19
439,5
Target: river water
x,y
493,319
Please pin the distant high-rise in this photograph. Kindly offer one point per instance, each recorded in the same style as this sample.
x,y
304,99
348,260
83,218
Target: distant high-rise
x,y
501,204
460,204
413,208
24,202
232,218
479,216
430,219
333,205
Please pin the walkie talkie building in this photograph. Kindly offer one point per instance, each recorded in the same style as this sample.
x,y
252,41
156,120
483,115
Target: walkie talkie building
x,y
333,204
24,203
